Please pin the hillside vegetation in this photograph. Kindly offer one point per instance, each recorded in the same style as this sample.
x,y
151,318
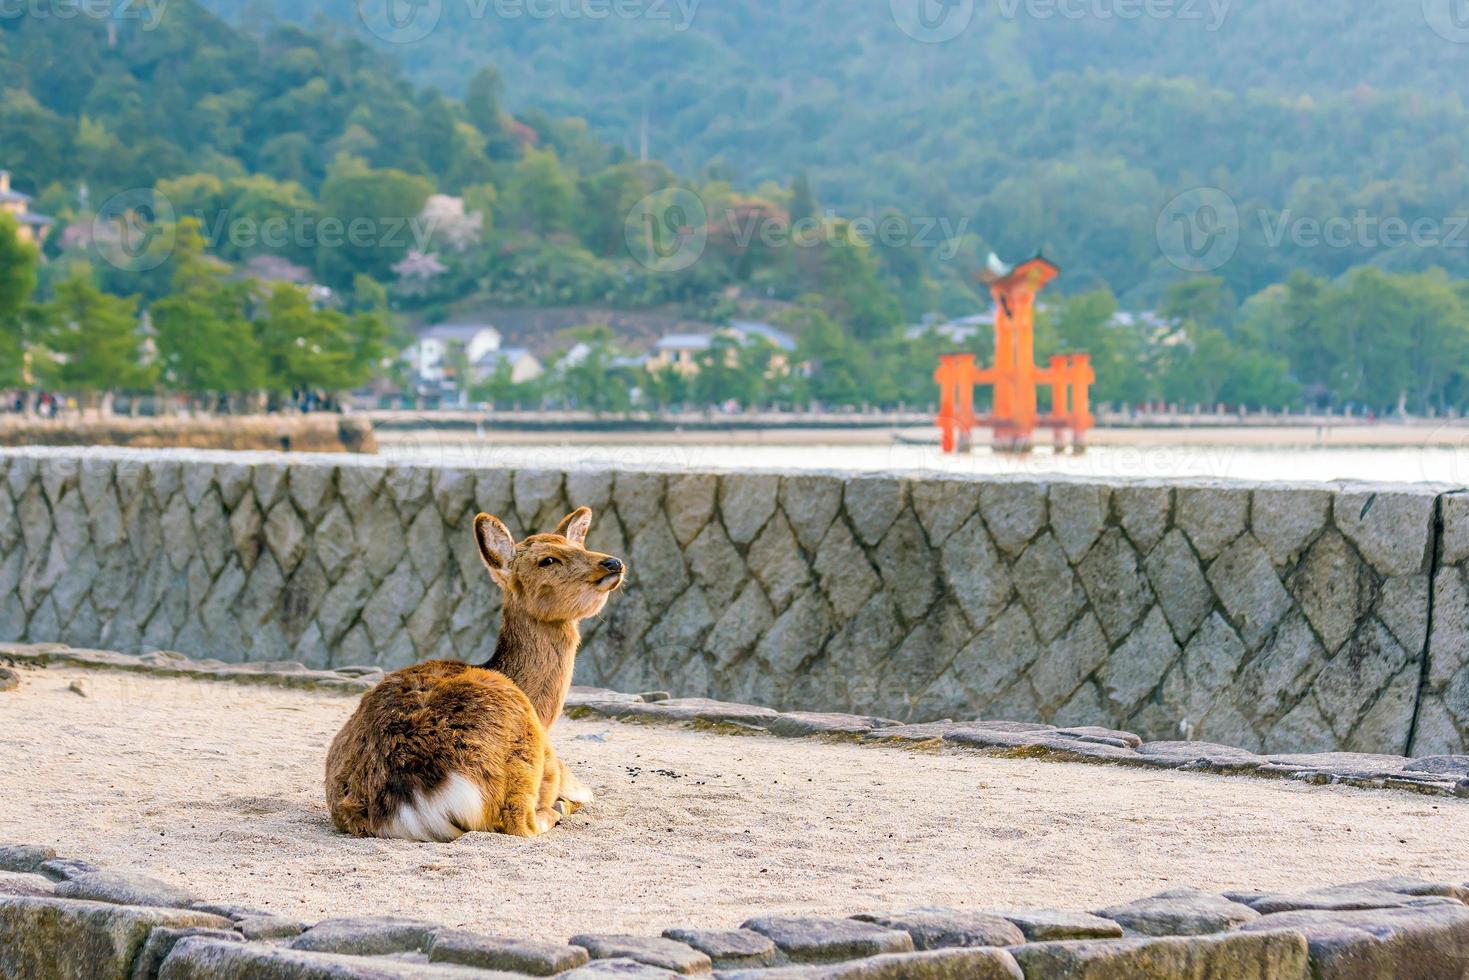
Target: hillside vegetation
x,y
1058,125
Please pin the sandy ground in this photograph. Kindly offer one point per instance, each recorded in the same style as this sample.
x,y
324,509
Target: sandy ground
x,y
218,787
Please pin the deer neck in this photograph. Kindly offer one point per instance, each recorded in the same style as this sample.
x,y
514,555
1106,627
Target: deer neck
x,y
538,656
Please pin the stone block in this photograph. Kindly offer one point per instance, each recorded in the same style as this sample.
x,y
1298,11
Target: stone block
x,y
941,964
202,958
1013,511
25,857
1048,925
815,939
872,504
1245,582
690,502
944,928
620,968
1048,587
536,958
1212,517
1275,955
1115,583
64,939
1181,912
942,506
976,575
163,939
746,501
1391,528
375,935
1179,583
22,883
846,575
727,948
666,954
1416,943
811,503
125,888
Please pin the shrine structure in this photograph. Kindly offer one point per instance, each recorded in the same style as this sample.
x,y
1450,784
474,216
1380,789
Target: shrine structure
x,y
1015,411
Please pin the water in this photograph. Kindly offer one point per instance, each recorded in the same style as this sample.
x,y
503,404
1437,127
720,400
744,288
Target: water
x,y
1407,464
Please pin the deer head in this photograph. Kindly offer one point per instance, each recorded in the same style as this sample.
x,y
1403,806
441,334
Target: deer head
x,y
549,577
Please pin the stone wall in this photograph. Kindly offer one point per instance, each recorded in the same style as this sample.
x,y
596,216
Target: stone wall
x,y
1269,617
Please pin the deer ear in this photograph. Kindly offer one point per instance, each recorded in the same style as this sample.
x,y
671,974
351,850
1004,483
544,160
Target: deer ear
x,y
574,526
496,546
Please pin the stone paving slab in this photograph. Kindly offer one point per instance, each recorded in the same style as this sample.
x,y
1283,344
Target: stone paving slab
x,y
1396,929
1438,776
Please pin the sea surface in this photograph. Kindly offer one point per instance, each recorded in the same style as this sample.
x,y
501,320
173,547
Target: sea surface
x,y
1436,464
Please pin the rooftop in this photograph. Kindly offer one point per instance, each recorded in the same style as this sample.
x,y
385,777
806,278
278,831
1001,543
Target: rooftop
x,y
457,331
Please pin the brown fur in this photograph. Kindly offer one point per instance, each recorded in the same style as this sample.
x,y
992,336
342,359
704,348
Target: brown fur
x,y
487,724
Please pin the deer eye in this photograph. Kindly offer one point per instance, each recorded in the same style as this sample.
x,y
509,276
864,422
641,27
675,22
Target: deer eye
x,y
548,561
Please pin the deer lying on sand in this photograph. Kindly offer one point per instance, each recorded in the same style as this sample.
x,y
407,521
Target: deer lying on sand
x,y
443,748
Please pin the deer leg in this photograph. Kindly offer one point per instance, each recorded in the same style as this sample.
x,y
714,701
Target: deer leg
x,y
550,783
573,790
524,813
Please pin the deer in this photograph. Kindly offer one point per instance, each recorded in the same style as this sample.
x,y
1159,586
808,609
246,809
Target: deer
x,y
443,748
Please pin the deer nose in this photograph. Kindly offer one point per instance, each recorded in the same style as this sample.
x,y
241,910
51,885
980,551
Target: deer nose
x,y
612,564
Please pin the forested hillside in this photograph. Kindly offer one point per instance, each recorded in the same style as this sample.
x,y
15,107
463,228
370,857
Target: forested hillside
x,y
1065,135
1067,131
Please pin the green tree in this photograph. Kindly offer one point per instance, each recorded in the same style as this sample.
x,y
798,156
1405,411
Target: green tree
x,y
1120,351
366,220
17,280
482,106
91,341
540,195
206,344
308,349
803,198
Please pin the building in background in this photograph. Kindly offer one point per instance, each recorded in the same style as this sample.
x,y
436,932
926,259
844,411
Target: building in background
x,y
681,351
29,227
440,352
524,366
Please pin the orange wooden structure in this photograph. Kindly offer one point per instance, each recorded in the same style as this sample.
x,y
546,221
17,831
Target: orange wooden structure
x,y
1015,414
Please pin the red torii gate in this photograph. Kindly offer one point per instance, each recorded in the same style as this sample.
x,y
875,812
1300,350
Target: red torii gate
x,y
1015,415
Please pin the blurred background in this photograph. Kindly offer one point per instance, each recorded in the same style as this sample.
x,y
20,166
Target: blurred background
x,y
751,227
